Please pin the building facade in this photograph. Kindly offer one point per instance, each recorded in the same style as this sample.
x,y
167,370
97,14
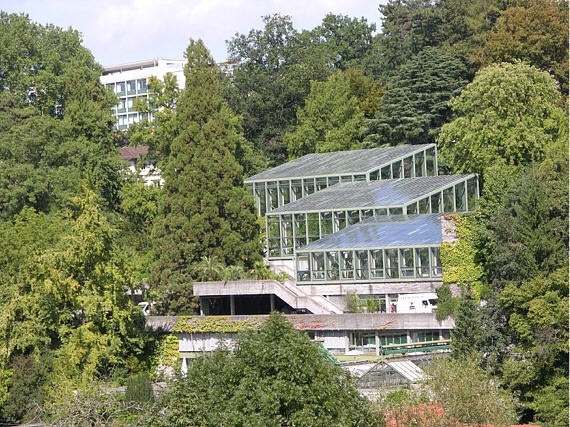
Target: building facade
x,y
130,81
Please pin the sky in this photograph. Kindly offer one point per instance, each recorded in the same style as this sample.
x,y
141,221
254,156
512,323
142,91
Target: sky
x,y
122,31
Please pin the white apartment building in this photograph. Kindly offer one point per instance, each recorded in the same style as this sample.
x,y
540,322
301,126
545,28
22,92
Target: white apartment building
x,y
130,81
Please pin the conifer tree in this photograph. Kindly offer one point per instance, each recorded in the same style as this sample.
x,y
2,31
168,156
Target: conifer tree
x,y
205,210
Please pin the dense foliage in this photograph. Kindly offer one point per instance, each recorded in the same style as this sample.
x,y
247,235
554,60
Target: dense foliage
x,y
275,376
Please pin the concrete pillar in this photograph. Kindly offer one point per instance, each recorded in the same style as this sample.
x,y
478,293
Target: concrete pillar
x,y
377,339
232,305
271,303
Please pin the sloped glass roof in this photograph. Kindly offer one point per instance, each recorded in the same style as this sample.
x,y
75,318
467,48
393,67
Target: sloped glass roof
x,y
371,194
338,163
390,231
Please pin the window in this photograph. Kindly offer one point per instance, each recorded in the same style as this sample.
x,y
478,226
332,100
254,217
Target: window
x,y
392,264
386,172
333,180
412,209
422,262
395,211
346,264
376,264
339,220
141,85
332,265
296,189
131,86
393,339
313,226
326,224
363,341
423,205
408,167
406,263
284,193
430,162
436,262
375,175
286,234
321,183
346,178
303,272
460,199
120,88
361,265
397,170
419,164
309,186
448,200
436,203
273,236
472,193
318,265
300,228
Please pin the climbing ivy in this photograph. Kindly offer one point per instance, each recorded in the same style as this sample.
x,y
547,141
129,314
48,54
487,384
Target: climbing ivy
x,y
214,324
458,258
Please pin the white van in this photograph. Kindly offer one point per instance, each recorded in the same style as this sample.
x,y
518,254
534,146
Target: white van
x,y
416,303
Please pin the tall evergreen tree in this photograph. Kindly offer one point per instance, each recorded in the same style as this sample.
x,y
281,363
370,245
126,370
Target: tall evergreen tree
x,y
205,210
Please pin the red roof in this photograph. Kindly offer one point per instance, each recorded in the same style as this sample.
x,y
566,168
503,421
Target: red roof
x,y
133,153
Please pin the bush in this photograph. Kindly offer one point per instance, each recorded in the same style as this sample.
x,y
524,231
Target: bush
x,y
139,389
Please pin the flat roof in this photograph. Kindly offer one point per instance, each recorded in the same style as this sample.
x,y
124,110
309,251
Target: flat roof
x,y
370,194
385,232
338,163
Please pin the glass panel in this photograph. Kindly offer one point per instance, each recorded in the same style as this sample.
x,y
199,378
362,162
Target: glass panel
x,y
376,263
339,220
386,172
430,162
460,197
132,86
408,167
284,192
361,265
333,180
427,336
397,169
303,272
435,262
318,265
296,189
419,164
326,224
423,206
407,262
392,264
436,203
366,213
321,183
260,195
313,226
359,177
472,194
142,86
353,217
346,178
395,211
120,88
332,265
346,264
393,339
412,209
422,262
375,175
300,225
381,212
448,200
286,234
273,236
363,341
273,197
309,186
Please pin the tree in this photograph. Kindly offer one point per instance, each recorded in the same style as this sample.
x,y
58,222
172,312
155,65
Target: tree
x,y
55,120
509,114
204,208
275,377
348,41
332,117
537,34
71,298
271,81
416,102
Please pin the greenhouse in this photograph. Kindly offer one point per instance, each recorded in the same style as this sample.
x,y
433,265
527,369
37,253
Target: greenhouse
x,y
398,248
321,214
314,172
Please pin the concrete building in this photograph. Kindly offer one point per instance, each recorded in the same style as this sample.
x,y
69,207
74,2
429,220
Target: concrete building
x,y
130,81
139,163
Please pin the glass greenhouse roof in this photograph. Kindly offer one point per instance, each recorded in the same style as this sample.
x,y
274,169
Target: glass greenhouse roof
x,y
337,163
370,194
392,231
